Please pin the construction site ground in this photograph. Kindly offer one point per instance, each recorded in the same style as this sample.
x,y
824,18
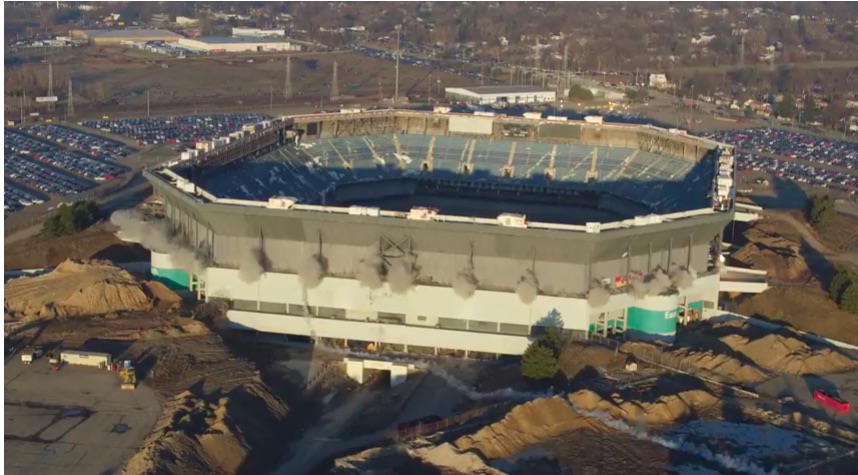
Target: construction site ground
x,y
76,421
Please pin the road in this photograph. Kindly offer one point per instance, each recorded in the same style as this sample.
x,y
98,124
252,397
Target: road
x,y
75,422
849,259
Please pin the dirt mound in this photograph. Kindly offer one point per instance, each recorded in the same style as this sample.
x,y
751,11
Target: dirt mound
x,y
575,357
161,295
76,288
665,409
782,352
525,425
447,456
768,249
710,362
206,435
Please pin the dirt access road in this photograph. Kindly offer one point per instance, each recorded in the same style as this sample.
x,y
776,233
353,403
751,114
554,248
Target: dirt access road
x,y
849,259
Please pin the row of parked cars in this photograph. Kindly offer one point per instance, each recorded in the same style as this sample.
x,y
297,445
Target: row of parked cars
x,y
800,172
94,146
16,197
37,176
68,160
792,144
178,129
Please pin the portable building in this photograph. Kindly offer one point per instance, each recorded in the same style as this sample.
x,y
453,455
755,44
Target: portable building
x,y
85,358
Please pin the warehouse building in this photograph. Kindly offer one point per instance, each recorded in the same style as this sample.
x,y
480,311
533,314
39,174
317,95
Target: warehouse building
x,y
485,95
237,45
257,33
115,37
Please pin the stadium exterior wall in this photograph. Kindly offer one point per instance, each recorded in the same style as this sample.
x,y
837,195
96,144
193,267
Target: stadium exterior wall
x,y
565,263
433,317
164,271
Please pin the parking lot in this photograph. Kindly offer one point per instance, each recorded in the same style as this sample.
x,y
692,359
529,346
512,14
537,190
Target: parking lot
x,y
792,144
50,168
16,197
94,146
76,421
175,130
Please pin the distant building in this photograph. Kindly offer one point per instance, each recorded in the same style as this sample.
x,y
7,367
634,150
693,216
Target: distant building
x,y
115,37
657,80
185,21
257,33
237,45
485,95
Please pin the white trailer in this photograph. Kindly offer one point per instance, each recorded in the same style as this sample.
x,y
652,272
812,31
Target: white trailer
x,y
85,358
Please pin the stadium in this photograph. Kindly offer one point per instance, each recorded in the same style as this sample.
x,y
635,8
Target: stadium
x,y
445,233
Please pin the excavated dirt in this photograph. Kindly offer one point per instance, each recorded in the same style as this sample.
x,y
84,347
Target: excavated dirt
x,y
781,352
525,425
213,427
768,248
80,288
709,362
665,409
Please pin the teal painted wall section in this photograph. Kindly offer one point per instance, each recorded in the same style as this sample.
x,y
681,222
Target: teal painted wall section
x,y
695,305
652,322
175,279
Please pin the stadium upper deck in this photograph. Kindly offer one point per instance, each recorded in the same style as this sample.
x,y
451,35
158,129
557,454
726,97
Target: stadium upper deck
x,y
311,170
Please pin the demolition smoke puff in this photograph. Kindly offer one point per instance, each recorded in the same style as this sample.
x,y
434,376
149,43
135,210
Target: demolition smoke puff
x,y
681,277
311,271
252,265
465,283
527,287
692,273
402,273
658,282
598,296
156,236
638,288
370,271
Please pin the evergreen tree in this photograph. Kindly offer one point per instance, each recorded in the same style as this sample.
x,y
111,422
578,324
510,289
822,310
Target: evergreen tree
x,y
538,362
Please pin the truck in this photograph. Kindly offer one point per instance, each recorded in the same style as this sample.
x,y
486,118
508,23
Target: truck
x,y
831,401
30,354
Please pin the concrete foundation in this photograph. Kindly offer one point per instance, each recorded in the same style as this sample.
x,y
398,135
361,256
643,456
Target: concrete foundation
x,y
355,368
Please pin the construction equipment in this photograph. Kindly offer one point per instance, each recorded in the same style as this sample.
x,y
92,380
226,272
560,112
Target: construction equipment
x,y
128,376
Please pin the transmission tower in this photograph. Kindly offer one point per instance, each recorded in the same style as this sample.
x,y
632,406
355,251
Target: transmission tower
x,y
396,86
50,85
335,90
70,104
287,87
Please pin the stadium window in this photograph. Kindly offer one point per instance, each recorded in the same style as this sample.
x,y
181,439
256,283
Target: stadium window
x,y
330,312
452,324
299,310
246,305
513,329
489,327
272,307
421,318
395,318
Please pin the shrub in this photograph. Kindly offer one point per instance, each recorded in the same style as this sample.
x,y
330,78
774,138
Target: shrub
x,y
72,219
540,359
580,93
821,211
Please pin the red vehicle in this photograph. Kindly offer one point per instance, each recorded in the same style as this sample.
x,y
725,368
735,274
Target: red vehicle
x,y
831,401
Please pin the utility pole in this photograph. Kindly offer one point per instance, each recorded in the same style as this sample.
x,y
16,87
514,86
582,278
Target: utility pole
x,y
50,85
335,89
429,89
22,107
70,104
396,87
742,51
511,75
271,98
287,86
148,102
380,94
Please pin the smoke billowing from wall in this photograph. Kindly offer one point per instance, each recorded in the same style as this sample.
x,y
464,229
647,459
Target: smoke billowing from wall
x,y
465,283
252,265
403,273
156,236
598,296
311,271
638,288
682,277
371,270
658,282
527,287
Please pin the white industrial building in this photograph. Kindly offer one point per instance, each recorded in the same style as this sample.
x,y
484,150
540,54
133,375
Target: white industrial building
x,y
237,45
501,94
258,33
